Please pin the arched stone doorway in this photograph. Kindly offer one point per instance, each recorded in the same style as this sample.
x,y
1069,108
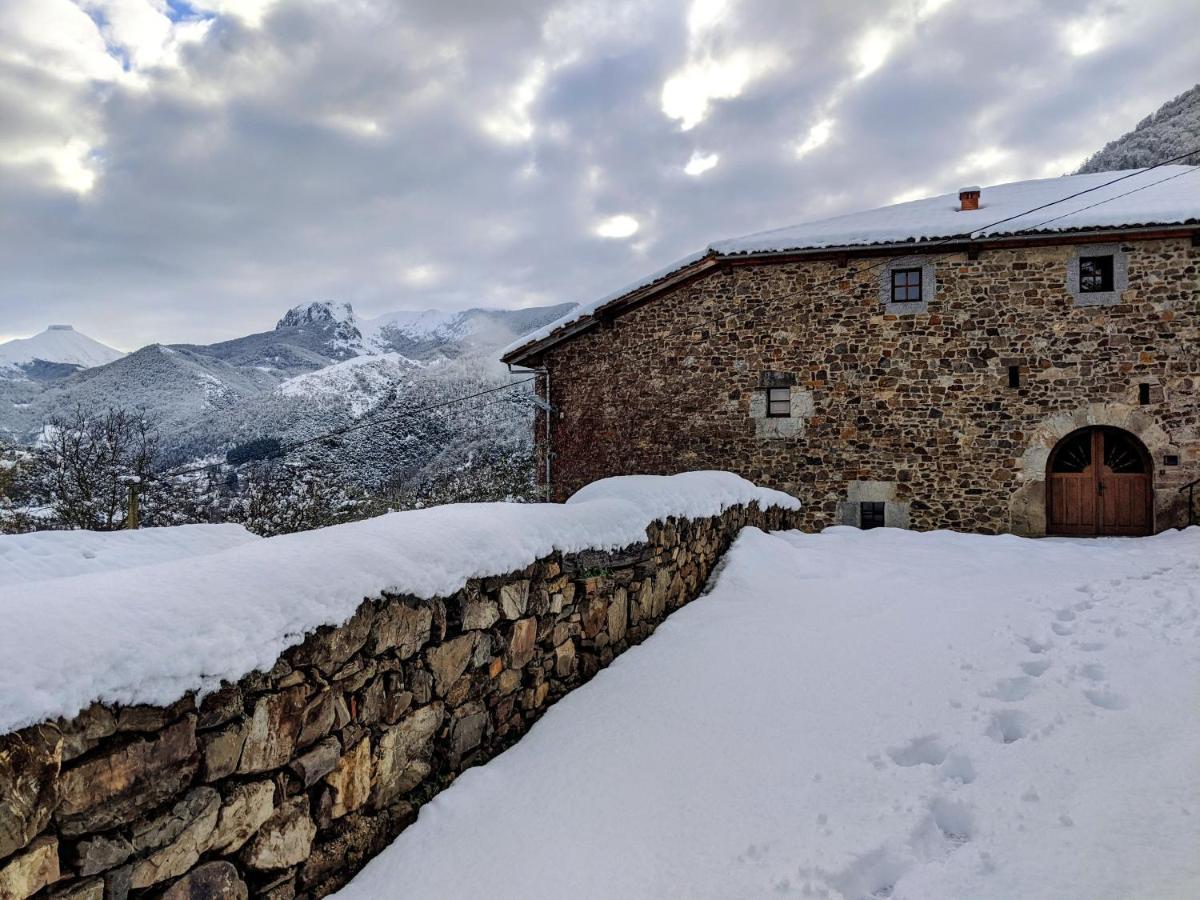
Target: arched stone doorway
x,y
1099,482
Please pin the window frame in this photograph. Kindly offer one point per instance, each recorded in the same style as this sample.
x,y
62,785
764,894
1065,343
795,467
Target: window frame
x,y
1107,276
907,285
878,514
787,399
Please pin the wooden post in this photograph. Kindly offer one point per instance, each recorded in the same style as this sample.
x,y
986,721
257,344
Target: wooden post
x,y
131,518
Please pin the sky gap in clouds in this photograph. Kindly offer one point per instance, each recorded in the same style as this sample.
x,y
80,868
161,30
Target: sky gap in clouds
x,y
186,171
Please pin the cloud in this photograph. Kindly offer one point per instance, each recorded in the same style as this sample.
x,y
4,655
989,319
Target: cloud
x,y
187,171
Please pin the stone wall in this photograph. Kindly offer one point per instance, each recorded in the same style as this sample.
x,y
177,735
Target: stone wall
x,y
909,407
284,784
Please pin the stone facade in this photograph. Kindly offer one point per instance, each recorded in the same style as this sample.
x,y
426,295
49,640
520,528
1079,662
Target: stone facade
x,y
914,403
284,784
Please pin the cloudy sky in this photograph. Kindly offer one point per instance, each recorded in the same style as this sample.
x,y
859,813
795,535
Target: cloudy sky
x,y
186,171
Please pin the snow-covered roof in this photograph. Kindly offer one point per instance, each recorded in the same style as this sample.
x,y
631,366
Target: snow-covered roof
x,y
1167,195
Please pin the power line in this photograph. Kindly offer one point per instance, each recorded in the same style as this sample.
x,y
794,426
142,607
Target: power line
x,y
887,261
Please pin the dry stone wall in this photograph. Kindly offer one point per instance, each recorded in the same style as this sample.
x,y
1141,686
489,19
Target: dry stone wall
x,y
916,403
284,784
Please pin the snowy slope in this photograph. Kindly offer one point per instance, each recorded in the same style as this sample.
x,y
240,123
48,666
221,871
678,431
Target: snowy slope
x,y
57,344
1167,195
1172,130
46,555
149,634
859,715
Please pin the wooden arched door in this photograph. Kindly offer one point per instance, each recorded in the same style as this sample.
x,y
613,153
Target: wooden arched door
x,y
1099,482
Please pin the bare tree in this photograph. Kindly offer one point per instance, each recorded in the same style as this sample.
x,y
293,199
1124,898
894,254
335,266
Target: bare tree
x,y
86,460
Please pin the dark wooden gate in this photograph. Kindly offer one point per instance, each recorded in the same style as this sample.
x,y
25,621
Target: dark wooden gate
x,y
1099,483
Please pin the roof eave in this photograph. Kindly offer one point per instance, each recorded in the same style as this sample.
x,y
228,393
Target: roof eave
x,y
714,260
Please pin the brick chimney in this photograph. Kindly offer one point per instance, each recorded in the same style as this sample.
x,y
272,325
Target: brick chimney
x,y
968,198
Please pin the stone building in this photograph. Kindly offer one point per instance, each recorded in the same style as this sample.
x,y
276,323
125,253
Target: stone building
x,y
1023,358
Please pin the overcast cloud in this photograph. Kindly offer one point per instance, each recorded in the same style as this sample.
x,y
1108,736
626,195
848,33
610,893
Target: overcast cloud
x,y
175,171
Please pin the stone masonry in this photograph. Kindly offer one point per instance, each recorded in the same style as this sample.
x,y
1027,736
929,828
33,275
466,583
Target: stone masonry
x,y
284,784
909,407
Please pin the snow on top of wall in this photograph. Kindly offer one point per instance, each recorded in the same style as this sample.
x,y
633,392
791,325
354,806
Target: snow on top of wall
x,y
45,555
1166,195
150,634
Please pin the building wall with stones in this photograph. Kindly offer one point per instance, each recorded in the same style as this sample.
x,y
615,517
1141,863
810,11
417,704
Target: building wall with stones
x,y
284,784
905,404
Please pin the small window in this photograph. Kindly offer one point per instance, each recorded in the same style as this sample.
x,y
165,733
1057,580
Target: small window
x,y
1144,394
870,515
779,402
1014,376
1170,459
1095,274
906,285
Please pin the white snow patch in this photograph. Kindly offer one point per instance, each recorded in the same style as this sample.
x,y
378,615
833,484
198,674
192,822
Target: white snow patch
x,y
150,634
45,555
824,723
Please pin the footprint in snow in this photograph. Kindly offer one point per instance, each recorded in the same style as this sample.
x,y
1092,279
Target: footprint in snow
x,y
1008,726
927,750
1065,615
1061,630
1105,699
1011,689
1035,668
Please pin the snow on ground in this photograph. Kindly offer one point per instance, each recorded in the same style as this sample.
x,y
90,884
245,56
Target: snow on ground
x,y
860,715
149,634
44,555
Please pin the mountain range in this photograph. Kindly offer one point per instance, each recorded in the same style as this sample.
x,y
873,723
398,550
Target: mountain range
x,y
319,368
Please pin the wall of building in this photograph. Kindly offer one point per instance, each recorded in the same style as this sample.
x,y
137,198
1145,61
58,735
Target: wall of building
x,y
284,784
911,406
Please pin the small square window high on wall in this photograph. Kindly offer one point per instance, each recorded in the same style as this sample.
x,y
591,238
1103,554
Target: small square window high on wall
x,y
906,285
1095,274
779,402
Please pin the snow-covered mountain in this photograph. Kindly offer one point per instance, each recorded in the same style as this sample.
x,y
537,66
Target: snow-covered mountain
x,y
1165,134
321,367
57,352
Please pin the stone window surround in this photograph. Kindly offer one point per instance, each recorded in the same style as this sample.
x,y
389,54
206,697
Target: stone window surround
x,y
895,512
767,426
1120,274
928,285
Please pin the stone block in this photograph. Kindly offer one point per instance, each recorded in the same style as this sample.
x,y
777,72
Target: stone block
x,y
284,840
514,599
273,730
522,643
30,760
100,853
401,759
449,660
221,750
84,890
115,787
328,648
246,807
31,870
350,781
318,762
211,881
188,826
400,627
